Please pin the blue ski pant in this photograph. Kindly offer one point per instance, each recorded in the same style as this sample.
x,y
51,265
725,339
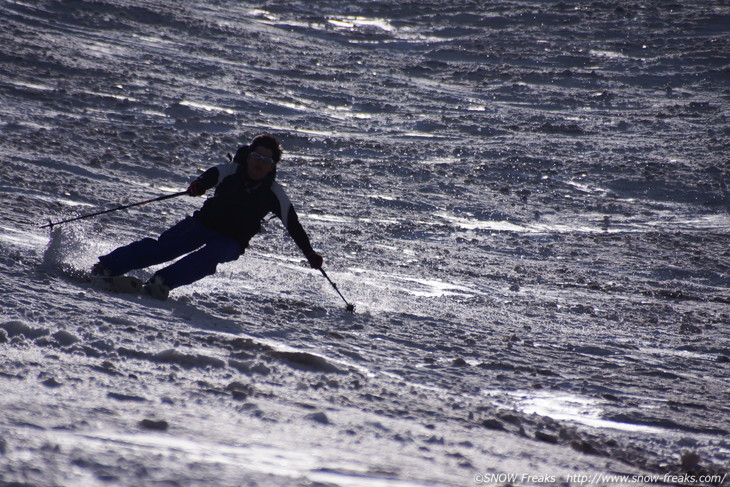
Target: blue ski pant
x,y
206,249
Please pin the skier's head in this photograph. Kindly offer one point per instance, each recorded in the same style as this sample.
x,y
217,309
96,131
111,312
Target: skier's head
x,y
264,153
270,142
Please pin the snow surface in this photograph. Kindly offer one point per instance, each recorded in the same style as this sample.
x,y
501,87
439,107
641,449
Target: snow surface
x,y
527,201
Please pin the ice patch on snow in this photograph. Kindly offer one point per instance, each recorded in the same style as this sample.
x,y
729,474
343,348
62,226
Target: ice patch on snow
x,y
563,406
474,224
206,107
415,286
353,22
20,238
26,84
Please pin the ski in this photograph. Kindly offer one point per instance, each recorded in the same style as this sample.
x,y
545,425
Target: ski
x,y
126,284
121,284
133,285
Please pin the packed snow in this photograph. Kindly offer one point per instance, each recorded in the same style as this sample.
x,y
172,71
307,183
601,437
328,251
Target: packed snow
x,y
526,201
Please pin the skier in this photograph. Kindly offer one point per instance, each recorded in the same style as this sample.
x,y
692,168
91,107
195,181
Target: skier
x,y
246,191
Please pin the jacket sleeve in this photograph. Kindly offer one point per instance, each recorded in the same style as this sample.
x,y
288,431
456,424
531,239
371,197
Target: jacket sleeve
x,y
290,219
213,176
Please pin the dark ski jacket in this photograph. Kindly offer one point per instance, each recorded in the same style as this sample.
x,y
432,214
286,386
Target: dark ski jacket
x,y
239,204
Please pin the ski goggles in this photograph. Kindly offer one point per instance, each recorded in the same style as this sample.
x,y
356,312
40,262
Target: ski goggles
x,y
262,158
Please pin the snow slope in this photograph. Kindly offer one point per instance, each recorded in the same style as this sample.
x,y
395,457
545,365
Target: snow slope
x,y
527,201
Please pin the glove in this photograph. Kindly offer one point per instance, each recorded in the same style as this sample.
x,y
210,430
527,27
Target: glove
x,y
196,189
315,260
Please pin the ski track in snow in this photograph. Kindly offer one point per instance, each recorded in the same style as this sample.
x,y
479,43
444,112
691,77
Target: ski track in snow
x,y
527,201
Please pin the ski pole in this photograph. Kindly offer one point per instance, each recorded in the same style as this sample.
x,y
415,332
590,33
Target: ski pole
x,y
350,307
160,198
